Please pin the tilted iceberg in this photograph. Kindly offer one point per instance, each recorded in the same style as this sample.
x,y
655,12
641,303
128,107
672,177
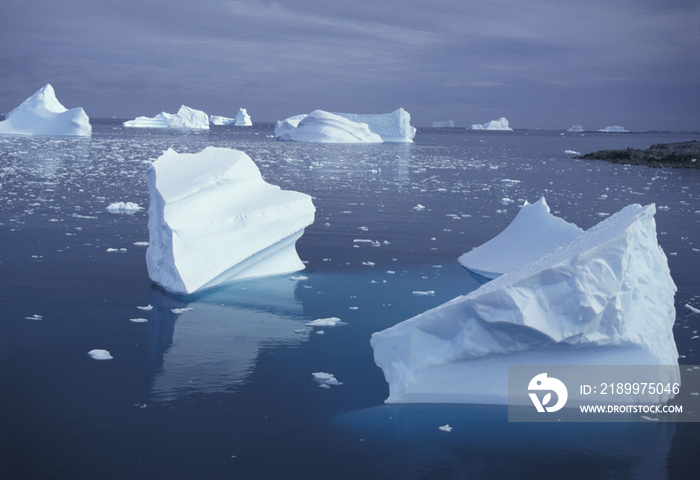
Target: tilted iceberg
x,y
42,114
329,127
186,117
242,119
212,220
500,124
533,232
606,298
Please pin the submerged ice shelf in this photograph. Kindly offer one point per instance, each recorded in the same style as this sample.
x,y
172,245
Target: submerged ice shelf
x,y
212,220
606,298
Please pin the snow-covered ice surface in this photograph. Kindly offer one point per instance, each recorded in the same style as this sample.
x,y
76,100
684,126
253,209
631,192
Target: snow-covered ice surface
x,y
325,127
533,232
185,118
605,298
242,119
43,115
213,220
263,405
500,124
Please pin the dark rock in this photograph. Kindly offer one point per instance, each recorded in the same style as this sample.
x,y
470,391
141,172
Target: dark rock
x,y
662,155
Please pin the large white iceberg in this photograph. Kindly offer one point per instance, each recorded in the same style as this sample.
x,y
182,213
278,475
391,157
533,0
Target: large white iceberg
x,y
533,232
42,114
326,127
500,124
606,298
186,118
242,119
212,220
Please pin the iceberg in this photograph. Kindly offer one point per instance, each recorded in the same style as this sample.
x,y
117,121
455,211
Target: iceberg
x,y
500,124
445,124
606,298
614,129
186,118
324,127
329,127
43,115
533,232
213,220
242,119
575,128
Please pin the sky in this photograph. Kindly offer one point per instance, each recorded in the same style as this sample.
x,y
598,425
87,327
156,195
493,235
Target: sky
x,y
545,64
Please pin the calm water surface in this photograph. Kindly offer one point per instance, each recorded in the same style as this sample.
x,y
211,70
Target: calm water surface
x,y
224,389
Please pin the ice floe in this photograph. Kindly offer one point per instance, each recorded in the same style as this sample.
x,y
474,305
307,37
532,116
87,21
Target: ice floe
x,y
99,354
533,232
605,298
43,115
212,220
325,380
325,322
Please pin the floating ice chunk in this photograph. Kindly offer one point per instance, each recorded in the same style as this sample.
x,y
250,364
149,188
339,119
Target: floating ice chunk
x,y
141,244
213,220
328,127
185,118
99,354
146,308
500,124
419,208
445,428
427,293
325,322
138,320
575,128
242,119
532,233
692,308
179,311
613,129
42,114
124,207
324,127
325,379
606,298
572,152
34,317
116,250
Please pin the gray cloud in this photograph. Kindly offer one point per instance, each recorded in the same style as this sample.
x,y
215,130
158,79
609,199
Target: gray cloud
x,y
542,64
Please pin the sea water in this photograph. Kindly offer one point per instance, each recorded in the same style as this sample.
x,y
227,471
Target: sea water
x,y
220,384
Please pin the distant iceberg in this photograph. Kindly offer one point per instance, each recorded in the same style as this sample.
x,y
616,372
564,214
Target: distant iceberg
x,y
329,127
185,118
213,220
500,124
242,119
575,128
43,115
606,298
613,129
533,232
444,124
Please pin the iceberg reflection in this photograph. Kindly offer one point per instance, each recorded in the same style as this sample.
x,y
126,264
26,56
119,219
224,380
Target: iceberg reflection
x,y
210,343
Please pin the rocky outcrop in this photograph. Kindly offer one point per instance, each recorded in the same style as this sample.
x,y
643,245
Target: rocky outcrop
x,y
662,155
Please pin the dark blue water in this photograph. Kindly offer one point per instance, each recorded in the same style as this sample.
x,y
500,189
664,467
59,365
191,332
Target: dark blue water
x,y
225,390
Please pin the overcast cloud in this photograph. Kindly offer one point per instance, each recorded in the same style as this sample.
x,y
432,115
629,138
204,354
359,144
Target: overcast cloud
x,y
540,63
